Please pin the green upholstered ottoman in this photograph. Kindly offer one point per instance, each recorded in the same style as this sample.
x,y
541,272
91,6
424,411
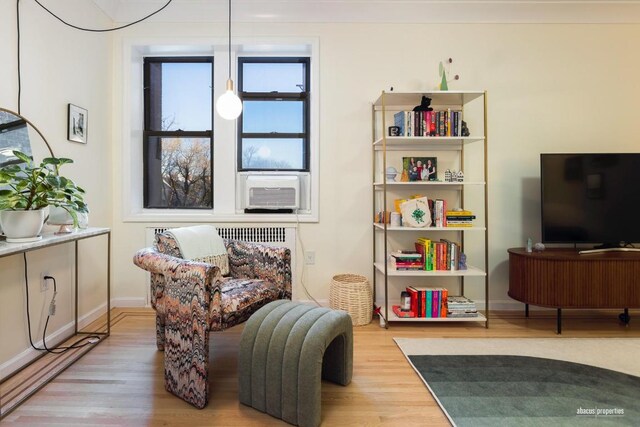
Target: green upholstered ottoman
x,y
286,349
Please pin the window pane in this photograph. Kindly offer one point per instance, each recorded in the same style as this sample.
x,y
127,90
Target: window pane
x,y
273,116
180,96
178,173
284,153
278,77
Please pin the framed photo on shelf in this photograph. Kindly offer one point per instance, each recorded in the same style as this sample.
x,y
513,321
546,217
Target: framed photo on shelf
x,y
77,121
420,168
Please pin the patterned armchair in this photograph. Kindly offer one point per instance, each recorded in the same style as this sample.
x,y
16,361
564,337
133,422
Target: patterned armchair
x,y
192,298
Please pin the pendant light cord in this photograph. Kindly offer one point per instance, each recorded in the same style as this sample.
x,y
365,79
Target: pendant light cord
x,y
229,39
93,30
103,30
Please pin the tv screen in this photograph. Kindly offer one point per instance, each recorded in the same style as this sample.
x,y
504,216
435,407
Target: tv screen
x,y
590,198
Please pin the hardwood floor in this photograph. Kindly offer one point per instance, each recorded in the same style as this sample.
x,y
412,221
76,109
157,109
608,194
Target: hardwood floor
x,y
120,382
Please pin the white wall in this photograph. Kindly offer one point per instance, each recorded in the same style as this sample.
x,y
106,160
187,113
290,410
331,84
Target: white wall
x,y
550,88
59,66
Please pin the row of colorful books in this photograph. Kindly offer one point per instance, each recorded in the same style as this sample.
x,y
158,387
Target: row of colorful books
x,y
436,302
439,255
459,218
428,302
429,123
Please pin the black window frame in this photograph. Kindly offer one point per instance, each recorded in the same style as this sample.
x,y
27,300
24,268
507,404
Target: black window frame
x,y
277,96
149,133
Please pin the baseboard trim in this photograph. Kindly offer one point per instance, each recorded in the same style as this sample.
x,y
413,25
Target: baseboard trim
x,y
129,302
53,339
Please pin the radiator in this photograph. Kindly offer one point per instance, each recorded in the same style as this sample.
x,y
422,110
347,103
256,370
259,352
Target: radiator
x,y
274,236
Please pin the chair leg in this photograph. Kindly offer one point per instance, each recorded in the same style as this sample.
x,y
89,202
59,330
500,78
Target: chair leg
x,y
186,356
160,333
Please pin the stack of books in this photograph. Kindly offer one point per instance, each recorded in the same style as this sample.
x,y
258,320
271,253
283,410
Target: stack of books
x,y
459,218
407,260
461,306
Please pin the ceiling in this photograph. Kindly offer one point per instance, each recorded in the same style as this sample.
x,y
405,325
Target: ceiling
x,y
392,11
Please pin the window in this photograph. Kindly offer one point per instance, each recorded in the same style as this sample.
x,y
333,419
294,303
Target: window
x,y
178,135
274,127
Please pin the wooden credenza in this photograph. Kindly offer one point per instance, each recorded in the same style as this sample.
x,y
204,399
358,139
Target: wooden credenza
x,y
562,278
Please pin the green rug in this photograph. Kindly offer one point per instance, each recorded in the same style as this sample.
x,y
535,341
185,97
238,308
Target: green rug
x,y
519,390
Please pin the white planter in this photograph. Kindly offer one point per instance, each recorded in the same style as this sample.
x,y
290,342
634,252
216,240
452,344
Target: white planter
x,y
22,226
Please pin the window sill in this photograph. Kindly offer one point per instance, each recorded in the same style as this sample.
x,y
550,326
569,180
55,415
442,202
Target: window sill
x,y
191,216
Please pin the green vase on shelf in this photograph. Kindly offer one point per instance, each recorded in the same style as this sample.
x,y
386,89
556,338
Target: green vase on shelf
x,y
443,83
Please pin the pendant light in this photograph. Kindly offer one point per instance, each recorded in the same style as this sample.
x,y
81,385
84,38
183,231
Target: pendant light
x,y
229,105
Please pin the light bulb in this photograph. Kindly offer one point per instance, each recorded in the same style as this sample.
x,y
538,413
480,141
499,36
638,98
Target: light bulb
x,y
229,105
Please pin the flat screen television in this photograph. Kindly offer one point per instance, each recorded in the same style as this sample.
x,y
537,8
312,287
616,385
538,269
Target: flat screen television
x,y
590,198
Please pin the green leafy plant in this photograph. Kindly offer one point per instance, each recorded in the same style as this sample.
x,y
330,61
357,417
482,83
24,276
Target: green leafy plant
x,y
32,186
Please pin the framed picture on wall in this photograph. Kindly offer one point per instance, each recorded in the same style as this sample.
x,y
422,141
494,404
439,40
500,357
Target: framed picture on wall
x,y
77,124
420,168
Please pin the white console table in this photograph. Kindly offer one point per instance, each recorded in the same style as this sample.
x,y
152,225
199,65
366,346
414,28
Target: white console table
x,y
19,385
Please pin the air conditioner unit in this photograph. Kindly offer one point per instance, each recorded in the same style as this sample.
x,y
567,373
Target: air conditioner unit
x,y
272,192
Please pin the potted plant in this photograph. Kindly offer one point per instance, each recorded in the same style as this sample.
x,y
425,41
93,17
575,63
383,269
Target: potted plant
x,y
27,189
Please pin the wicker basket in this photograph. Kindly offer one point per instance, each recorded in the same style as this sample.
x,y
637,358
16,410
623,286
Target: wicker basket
x,y
352,293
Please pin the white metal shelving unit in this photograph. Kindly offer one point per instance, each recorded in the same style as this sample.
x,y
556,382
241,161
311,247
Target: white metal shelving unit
x,y
466,153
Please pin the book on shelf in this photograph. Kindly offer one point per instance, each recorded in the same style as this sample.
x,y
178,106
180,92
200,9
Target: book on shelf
x,y
439,209
469,312
460,299
398,312
398,120
416,303
458,315
444,302
459,304
460,213
406,255
382,217
423,246
408,267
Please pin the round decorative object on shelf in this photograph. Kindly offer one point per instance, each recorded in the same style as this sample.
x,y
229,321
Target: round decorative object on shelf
x,y
391,173
352,293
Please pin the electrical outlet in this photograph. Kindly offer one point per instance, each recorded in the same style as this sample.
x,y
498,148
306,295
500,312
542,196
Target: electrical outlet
x,y
310,257
44,283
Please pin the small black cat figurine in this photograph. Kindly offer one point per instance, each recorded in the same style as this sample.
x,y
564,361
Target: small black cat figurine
x,y
424,105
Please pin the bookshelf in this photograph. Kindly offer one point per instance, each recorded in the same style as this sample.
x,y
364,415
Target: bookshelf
x,y
454,152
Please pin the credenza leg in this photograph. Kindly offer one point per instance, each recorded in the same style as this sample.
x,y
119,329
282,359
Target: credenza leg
x,y
526,310
624,317
559,319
